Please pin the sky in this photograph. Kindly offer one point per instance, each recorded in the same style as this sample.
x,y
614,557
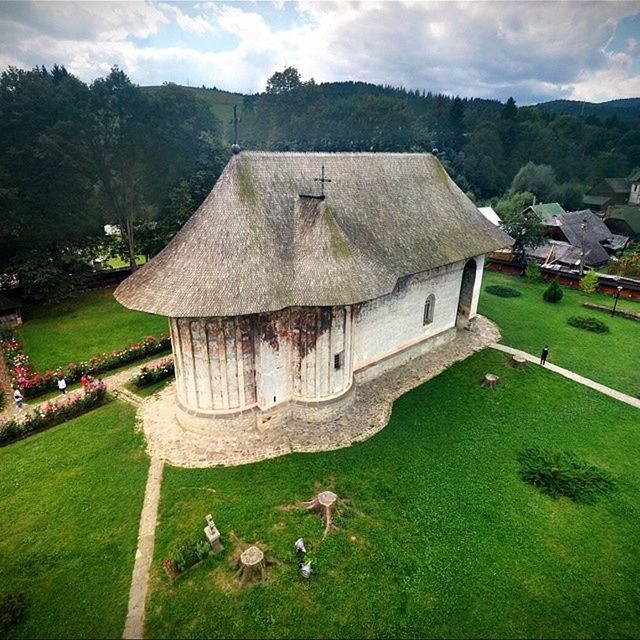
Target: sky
x,y
533,51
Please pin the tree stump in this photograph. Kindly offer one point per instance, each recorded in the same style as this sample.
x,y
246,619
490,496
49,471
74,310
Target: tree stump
x,y
491,381
324,503
251,563
518,362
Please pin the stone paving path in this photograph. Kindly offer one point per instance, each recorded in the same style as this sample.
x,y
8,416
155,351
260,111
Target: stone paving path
x,y
134,624
613,393
115,384
230,442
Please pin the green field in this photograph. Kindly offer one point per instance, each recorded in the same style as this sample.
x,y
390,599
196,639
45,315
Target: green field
x,y
145,392
440,537
528,323
71,501
91,324
221,103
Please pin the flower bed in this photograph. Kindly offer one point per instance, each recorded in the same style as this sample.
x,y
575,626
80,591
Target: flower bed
x,y
32,383
184,556
53,413
151,375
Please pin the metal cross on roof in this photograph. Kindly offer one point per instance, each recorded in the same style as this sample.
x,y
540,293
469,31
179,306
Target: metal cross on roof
x,y
235,147
322,180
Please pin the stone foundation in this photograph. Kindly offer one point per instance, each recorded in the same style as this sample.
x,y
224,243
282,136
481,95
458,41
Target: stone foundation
x,y
356,416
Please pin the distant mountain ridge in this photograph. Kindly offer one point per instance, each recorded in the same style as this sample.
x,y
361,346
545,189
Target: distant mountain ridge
x,y
625,109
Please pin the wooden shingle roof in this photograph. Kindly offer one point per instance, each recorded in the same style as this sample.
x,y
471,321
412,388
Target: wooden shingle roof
x,y
256,245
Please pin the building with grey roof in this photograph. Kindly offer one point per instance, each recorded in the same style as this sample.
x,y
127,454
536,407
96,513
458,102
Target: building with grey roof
x,y
301,269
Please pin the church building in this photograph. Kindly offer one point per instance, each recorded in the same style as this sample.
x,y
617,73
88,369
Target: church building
x,y
304,272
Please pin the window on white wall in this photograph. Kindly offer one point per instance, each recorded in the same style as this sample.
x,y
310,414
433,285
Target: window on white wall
x,y
428,310
338,360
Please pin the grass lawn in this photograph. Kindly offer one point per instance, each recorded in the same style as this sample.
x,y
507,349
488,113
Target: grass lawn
x,y
88,325
528,323
145,392
118,263
440,537
71,500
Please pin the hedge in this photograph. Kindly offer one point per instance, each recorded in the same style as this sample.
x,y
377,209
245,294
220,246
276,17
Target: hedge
x,y
52,414
31,383
501,291
150,375
589,323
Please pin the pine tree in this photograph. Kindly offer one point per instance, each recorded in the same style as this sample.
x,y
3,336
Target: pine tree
x,y
553,293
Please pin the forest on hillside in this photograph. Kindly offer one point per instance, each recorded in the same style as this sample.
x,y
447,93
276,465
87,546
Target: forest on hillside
x,y
483,143
74,157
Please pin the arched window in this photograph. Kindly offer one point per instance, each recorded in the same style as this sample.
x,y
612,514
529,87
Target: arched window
x,y
428,309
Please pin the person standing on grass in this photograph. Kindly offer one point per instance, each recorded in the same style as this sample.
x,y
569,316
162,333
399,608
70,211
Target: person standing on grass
x,y
62,384
545,353
18,399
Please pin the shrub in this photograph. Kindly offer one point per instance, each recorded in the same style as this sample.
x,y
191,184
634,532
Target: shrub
x,y
503,292
189,552
3,398
589,323
553,292
11,611
52,414
532,270
147,376
32,383
590,282
562,473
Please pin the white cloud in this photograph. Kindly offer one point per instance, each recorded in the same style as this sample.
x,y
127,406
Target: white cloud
x,y
532,50
84,20
614,81
198,24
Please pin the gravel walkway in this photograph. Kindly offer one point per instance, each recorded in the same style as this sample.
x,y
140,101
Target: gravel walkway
x,y
115,383
237,441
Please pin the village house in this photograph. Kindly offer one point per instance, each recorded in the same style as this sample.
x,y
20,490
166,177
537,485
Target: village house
x,y
610,191
544,211
624,220
10,311
301,269
571,233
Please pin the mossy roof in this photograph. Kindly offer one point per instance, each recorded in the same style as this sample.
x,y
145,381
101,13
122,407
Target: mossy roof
x,y
629,213
546,210
256,245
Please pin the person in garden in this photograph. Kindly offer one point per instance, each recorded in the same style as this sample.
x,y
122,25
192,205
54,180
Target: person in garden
x,y
545,353
18,399
62,384
85,383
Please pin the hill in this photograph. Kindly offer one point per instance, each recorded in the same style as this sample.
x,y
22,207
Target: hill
x,y
625,110
221,103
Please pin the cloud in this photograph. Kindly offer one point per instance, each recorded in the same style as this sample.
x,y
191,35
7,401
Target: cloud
x,y
534,51
198,24
83,20
614,81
